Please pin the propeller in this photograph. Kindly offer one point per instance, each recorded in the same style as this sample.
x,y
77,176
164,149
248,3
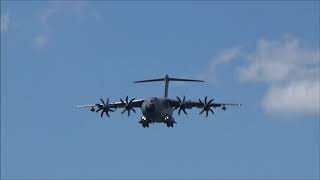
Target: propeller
x,y
128,105
206,106
104,107
181,105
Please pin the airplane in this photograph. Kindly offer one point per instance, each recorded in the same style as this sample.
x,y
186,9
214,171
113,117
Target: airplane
x,y
158,109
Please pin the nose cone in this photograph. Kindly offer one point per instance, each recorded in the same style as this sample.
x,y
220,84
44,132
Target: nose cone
x,y
150,108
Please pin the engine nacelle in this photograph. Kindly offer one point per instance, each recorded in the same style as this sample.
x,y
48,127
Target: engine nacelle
x,y
92,109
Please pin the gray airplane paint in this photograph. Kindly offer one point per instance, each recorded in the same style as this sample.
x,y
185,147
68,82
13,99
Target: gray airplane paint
x,y
157,110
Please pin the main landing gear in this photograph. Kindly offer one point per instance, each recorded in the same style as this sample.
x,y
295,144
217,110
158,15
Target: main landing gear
x,y
170,123
145,124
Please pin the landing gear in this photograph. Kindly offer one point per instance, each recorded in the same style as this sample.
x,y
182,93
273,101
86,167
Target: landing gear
x,y
170,124
145,124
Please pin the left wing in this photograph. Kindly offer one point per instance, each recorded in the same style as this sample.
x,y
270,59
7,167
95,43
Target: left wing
x,y
106,107
206,105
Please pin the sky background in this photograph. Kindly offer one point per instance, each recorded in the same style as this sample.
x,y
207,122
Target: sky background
x,y
57,55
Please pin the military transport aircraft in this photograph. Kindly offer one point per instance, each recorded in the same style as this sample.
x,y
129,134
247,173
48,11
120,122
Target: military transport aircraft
x,y
158,109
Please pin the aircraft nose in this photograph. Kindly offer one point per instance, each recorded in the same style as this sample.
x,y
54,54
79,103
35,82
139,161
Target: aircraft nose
x,y
150,107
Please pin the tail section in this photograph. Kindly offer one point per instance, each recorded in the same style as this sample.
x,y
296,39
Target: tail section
x,y
166,80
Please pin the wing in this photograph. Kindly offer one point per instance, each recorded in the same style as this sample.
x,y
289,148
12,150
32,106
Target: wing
x,y
191,104
136,103
107,107
200,104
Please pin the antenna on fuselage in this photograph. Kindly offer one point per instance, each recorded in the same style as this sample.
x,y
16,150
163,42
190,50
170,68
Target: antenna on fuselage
x,y
166,80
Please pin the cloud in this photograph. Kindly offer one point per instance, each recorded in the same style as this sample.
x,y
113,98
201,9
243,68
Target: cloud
x,y
280,61
291,72
62,9
5,21
222,58
296,97
57,10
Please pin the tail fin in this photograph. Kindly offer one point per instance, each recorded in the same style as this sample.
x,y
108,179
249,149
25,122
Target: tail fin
x,y
166,80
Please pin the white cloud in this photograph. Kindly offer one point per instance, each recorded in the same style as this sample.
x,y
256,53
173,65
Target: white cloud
x,y
296,97
280,61
5,21
56,11
291,72
62,9
224,57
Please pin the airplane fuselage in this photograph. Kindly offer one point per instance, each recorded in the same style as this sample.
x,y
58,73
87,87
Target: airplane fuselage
x,y
157,110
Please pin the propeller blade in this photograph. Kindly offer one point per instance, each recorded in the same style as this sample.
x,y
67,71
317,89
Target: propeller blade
x,y
210,101
206,113
102,102
124,110
200,101
133,110
104,107
132,100
178,99
99,105
98,109
202,111
211,111
184,111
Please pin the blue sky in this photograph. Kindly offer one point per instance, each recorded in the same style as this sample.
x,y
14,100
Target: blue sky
x,y
56,55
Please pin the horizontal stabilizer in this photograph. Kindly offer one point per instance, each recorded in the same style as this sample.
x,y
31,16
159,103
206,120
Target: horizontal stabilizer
x,y
149,80
166,80
179,79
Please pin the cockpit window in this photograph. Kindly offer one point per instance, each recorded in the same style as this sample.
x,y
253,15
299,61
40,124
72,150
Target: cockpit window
x,y
165,104
151,108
